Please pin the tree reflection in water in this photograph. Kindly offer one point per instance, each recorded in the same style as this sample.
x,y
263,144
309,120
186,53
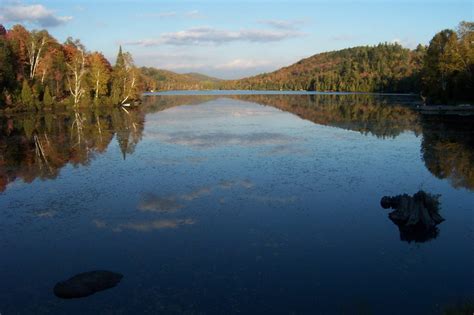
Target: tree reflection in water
x,y
447,141
38,145
448,149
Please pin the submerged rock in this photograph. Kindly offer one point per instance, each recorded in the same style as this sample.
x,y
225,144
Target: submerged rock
x,y
416,216
87,283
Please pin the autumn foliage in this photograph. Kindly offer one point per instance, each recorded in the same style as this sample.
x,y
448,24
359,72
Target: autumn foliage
x,y
37,71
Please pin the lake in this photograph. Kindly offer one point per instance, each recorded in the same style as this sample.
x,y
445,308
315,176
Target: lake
x,y
236,203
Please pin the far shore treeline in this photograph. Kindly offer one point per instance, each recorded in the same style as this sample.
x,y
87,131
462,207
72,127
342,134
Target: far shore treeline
x,y
442,72
37,72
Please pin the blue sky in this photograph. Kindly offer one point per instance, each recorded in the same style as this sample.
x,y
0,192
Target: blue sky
x,y
232,39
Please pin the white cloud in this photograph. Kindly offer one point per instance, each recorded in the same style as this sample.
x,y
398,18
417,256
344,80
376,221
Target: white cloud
x,y
35,13
209,35
194,14
243,64
144,226
283,24
226,67
217,139
153,203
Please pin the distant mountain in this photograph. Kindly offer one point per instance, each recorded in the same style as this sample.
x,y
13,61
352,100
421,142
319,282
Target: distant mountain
x,y
159,80
382,68
202,77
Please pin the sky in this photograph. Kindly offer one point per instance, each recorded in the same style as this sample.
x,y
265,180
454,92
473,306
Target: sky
x,y
234,39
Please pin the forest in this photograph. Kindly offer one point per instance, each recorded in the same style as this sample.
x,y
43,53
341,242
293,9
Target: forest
x,y
37,72
382,68
442,72
164,80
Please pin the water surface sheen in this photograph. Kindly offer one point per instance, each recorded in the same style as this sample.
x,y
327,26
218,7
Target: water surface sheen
x,y
235,204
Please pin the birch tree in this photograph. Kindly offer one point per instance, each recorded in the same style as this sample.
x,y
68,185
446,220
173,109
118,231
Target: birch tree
x,y
131,79
35,49
76,64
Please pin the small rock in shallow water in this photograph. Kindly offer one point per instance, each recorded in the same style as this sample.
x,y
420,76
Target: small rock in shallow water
x,y
87,283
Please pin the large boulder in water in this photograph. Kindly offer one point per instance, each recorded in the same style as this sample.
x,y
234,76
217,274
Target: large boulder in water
x,y
87,283
416,216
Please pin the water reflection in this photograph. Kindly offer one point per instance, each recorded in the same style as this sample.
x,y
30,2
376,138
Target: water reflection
x,y
153,203
368,114
39,145
448,149
447,142
224,205
144,226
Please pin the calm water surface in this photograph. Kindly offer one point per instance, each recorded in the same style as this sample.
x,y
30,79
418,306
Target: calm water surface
x,y
235,204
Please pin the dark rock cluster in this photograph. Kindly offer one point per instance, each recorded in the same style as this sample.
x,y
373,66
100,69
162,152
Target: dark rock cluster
x,y
87,283
416,216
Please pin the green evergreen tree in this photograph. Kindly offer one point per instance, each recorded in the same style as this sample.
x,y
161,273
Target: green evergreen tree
x,y
120,62
47,99
27,98
118,77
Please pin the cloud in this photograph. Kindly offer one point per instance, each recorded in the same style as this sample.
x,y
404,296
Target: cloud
x,y
242,64
175,59
226,184
211,140
286,149
209,35
194,14
283,24
183,62
223,66
153,203
195,194
35,13
145,226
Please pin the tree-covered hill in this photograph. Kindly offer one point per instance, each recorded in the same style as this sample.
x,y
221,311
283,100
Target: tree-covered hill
x,y
202,77
443,71
382,68
158,80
